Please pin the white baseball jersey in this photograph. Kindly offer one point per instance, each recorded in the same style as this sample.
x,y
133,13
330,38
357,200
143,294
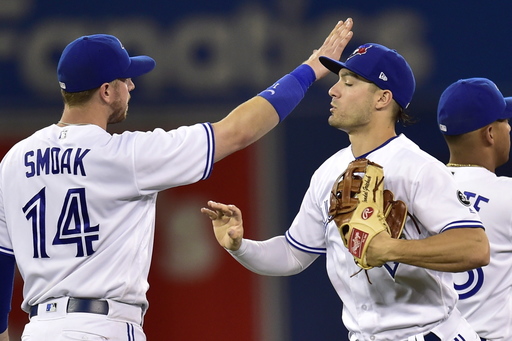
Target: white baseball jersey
x,y
486,293
403,300
78,206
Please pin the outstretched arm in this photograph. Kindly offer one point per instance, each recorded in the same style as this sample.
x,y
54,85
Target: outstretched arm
x,y
272,257
254,118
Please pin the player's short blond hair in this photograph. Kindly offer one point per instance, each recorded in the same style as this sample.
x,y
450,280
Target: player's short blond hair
x,y
74,99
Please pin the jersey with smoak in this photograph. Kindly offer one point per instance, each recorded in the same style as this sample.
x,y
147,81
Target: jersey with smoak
x,y
77,206
394,301
485,294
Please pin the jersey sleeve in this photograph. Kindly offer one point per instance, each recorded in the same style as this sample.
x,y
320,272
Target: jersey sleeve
x,y
447,206
307,231
165,159
272,257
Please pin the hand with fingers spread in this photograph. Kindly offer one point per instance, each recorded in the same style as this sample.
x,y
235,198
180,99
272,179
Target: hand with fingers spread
x,y
332,47
227,224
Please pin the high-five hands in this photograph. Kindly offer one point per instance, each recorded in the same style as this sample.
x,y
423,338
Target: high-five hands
x,y
332,47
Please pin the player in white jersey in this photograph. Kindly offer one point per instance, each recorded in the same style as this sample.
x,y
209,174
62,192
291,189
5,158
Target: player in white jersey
x,y
473,118
77,204
409,294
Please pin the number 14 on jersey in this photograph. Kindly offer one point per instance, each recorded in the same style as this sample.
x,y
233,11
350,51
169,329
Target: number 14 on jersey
x,y
73,226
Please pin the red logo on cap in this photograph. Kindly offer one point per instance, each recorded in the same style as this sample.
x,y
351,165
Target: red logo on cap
x,y
360,50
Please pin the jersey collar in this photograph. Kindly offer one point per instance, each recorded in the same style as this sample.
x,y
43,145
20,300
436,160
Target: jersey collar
x,y
379,147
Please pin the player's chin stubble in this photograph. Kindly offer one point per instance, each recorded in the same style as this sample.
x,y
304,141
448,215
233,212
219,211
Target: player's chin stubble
x,y
119,113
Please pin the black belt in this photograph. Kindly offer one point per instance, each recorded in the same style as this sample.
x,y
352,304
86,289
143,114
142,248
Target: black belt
x,y
79,305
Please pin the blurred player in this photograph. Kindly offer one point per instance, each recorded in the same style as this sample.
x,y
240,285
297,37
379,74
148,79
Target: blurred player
x,y
409,293
473,118
77,204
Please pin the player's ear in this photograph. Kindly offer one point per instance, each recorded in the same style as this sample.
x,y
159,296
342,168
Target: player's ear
x,y
487,134
105,92
384,98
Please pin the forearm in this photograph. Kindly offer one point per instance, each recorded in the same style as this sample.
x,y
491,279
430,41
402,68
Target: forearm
x,y
254,118
272,257
243,126
454,250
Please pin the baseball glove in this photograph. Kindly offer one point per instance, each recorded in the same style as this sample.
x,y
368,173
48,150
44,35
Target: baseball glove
x,y
361,208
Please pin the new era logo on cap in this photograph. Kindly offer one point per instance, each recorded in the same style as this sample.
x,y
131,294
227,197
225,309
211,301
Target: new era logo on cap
x,y
383,76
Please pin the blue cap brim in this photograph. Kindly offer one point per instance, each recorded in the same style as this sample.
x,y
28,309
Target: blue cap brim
x,y
139,65
335,66
332,65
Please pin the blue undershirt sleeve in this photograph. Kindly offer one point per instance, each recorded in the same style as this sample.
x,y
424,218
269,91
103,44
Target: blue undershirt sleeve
x,y
7,264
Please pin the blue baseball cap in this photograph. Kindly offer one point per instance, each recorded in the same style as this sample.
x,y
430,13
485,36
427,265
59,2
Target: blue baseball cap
x,y
90,61
470,104
380,65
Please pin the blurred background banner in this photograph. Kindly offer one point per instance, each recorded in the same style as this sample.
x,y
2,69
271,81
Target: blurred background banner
x,y
211,56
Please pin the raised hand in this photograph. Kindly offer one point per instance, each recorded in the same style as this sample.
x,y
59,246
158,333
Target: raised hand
x,y
332,47
227,224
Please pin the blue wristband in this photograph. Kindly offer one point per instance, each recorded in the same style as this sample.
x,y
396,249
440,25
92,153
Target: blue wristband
x,y
287,92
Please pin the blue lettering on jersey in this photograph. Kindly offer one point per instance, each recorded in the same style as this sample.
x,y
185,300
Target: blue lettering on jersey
x,y
54,160
478,199
472,285
73,226
391,270
476,276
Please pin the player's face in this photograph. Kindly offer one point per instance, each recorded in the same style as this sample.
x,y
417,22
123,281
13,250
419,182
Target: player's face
x,y
501,129
352,102
119,106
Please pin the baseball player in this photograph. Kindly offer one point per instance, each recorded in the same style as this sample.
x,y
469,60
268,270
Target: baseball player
x,y
77,204
473,118
408,294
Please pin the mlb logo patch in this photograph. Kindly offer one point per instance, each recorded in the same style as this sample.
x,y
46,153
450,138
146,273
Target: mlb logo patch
x,y
51,307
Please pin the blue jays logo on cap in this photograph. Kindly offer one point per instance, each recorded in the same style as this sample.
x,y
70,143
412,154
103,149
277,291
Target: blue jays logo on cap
x,y
360,50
